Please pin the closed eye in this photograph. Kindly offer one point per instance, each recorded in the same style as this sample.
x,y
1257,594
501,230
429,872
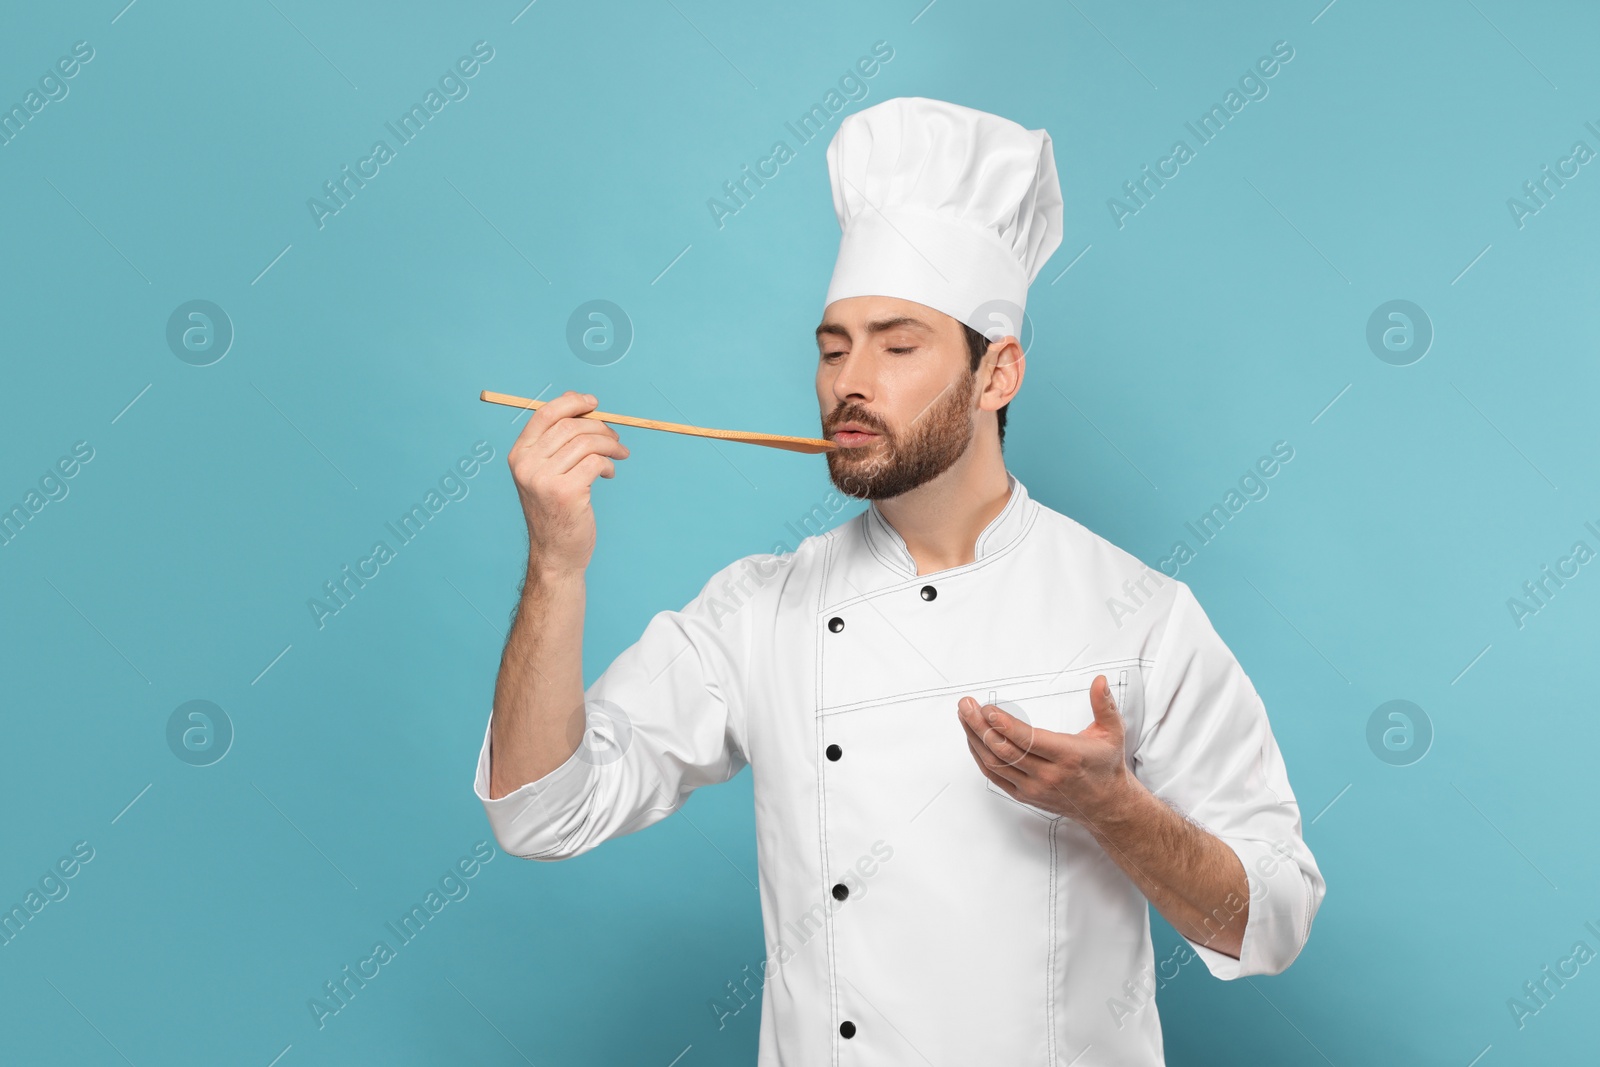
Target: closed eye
x,y
830,356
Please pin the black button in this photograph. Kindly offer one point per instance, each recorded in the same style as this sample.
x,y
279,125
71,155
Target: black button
x,y
929,592
834,752
841,891
847,1028
836,624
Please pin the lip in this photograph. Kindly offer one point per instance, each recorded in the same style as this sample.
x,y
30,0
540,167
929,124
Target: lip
x,y
854,438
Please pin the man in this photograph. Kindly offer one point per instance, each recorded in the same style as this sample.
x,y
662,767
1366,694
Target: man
x,y
984,739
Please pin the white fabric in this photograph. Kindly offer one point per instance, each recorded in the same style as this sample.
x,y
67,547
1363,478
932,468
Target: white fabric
x,y
950,207
978,929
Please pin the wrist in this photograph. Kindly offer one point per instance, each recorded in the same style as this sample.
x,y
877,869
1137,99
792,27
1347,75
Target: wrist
x,y
1125,806
549,575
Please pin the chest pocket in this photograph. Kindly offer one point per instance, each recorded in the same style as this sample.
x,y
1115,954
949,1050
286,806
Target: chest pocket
x,y
1059,704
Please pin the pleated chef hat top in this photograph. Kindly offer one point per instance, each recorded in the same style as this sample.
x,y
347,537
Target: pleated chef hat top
x,y
944,205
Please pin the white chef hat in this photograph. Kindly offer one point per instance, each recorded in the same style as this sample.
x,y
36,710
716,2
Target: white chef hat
x,y
944,205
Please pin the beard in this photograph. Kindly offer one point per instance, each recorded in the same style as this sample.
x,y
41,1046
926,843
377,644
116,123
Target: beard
x,y
898,462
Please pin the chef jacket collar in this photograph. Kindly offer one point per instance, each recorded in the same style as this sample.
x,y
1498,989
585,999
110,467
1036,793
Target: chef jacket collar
x,y
1013,521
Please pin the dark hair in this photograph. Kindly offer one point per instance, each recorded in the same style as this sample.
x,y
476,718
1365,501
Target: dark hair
x,y
977,345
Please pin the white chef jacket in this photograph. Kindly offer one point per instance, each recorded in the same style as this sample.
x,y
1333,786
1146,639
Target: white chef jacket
x,y
906,901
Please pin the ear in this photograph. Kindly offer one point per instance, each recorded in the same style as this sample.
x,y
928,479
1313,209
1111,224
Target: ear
x,y
1005,363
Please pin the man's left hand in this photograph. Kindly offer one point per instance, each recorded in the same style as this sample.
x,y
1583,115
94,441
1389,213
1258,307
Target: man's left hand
x,y
1083,776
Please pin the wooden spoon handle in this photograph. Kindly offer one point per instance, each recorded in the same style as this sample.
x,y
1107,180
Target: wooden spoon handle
x,y
771,440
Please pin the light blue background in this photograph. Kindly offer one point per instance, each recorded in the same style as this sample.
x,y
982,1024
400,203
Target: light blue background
x,y
1228,314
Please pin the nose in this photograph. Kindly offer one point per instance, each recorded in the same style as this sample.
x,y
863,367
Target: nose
x,y
852,380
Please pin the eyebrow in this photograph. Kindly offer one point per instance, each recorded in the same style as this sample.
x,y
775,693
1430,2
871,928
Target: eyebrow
x,y
879,326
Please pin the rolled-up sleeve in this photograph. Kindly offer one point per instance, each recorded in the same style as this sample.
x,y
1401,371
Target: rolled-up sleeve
x,y
666,717
1208,748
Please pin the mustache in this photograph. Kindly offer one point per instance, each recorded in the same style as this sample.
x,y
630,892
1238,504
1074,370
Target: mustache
x,y
854,415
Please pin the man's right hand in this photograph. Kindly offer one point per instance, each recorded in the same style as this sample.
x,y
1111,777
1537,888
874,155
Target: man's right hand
x,y
554,462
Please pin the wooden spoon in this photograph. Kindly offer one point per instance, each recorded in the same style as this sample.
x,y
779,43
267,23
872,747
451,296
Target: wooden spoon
x,y
811,445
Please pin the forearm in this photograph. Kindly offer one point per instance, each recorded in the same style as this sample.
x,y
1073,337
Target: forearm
x,y
538,696
1191,876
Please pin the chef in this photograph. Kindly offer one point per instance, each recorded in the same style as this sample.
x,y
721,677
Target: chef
x,y
983,738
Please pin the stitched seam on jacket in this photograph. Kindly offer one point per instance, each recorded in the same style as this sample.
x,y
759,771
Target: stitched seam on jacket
x,y
822,813
1161,658
1016,679
1050,958
946,574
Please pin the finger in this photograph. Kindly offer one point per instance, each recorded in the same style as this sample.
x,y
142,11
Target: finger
x,y
563,432
563,410
1104,706
568,403
988,740
571,456
1015,741
993,769
592,466
1013,738
1005,785
978,731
